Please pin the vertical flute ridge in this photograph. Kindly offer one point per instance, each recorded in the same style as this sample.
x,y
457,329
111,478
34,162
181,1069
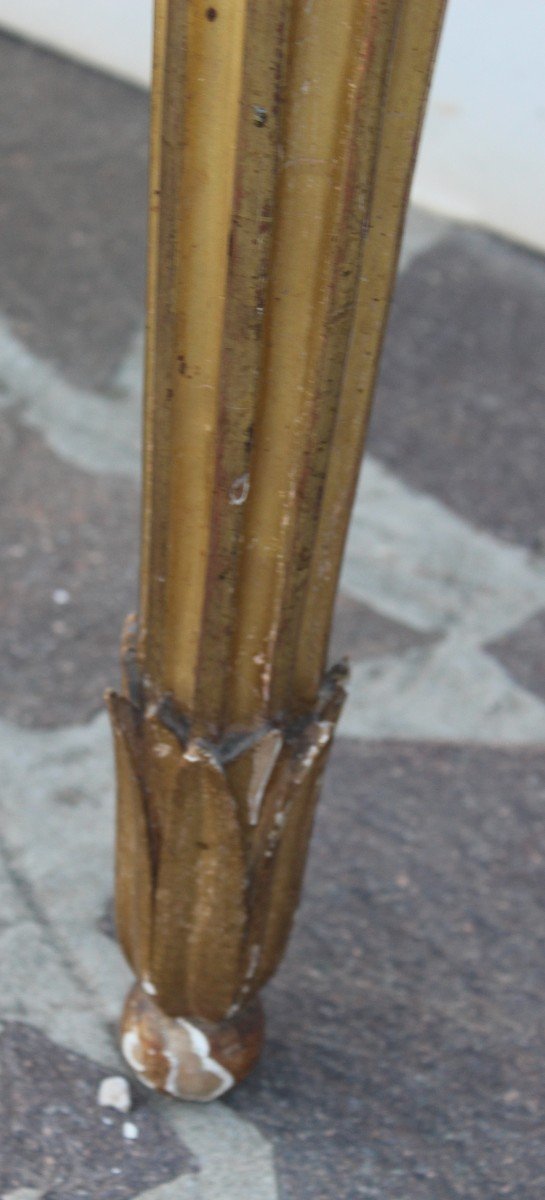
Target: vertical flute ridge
x,y
169,50
314,103
258,143
246,432
213,82
417,31
371,42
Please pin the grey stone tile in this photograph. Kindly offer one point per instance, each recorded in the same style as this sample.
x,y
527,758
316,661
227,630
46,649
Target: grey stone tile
x,y
460,407
68,545
405,1055
56,1138
360,632
523,655
73,212
60,974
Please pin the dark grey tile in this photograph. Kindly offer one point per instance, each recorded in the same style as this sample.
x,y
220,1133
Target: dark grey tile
x,y
460,409
405,1052
74,152
523,654
57,1139
361,632
68,558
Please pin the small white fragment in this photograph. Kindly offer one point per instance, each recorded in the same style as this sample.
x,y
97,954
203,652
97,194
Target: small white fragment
x,y
148,987
114,1092
61,596
130,1131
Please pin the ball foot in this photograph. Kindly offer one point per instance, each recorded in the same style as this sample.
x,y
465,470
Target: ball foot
x,y
189,1058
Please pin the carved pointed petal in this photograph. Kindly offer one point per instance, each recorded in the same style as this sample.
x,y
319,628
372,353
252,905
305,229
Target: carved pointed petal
x,y
249,774
199,900
278,873
133,850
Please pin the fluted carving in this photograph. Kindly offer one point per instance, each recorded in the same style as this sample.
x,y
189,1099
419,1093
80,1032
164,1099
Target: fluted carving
x,y
283,140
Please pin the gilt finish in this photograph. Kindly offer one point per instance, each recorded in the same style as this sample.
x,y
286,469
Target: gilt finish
x,y
283,141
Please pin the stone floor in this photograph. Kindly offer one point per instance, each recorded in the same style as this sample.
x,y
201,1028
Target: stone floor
x,y
405,1058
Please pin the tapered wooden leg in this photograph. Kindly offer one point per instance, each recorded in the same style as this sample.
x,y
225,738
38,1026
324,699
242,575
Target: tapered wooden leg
x,y
283,142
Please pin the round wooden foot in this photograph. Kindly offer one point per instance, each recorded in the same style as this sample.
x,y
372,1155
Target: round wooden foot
x,y
189,1058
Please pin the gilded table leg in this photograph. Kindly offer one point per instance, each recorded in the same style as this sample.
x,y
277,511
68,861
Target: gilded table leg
x,y
283,142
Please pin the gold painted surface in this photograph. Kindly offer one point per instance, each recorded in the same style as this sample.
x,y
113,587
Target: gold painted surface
x,y
250,249
134,843
199,912
284,134
209,876
283,140
401,110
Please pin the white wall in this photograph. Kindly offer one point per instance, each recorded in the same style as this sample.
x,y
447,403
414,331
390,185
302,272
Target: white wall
x,y
113,34
483,151
482,157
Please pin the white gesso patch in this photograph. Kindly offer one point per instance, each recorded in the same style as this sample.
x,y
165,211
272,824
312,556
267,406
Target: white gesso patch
x,y
193,753
171,1084
239,490
201,1048
322,732
162,750
130,1044
255,952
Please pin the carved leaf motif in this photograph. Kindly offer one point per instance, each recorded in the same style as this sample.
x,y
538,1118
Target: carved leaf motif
x,y
133,852
212,842
249,775
281,856
199,901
